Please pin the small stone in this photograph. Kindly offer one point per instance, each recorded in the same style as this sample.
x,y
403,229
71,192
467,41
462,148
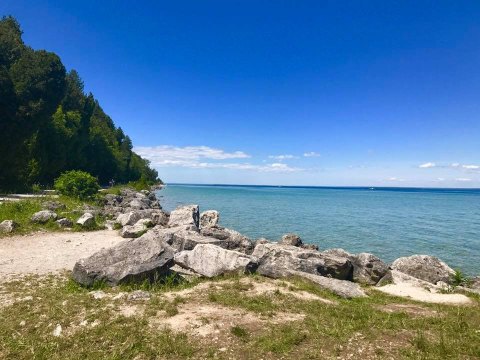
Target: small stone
x,y
97,295
22,323
139,295
43,216
64,222
58,330
7,226
86,220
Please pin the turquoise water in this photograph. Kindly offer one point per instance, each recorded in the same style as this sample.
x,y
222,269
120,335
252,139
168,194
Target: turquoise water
x,y
389,222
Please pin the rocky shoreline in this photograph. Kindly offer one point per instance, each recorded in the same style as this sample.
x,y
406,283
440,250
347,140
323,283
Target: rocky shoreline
x,y
187,241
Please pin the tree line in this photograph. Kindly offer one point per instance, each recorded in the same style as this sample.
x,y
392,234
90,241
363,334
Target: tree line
x,y
49,125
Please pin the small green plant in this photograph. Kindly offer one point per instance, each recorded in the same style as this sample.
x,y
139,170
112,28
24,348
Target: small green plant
x,y
36,188
239,331
77,184
459,278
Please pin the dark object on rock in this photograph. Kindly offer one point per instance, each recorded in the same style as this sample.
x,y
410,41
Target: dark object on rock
x,y
424,267
185,215
147,258
43,216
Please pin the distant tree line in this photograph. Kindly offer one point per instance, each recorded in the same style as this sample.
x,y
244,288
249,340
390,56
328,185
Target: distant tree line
x,y
48,125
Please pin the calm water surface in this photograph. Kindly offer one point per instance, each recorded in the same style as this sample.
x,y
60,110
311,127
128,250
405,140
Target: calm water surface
x,y
387,222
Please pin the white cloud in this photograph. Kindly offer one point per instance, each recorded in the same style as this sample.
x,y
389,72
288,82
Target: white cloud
x,y
440,179
471,167
192,156
428,165
311,154
463,179
175,153
282,157
394,179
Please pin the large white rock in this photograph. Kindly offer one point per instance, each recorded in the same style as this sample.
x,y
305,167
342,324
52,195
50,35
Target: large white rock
x,y
86,220
424,267
209,218
185,215
136,230
210,260
129,218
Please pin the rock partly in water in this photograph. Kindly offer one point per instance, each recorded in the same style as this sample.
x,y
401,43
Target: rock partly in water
x,y
146,258
342,288
8,226
43,216
292,240
64,223
210,260
424,267
368,269
87,220
185,215
209,218
276,260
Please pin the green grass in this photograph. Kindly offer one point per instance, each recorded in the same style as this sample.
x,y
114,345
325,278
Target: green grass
x,y
21,212
321,330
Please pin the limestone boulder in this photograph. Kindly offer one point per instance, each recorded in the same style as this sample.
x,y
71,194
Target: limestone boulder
x,y
209,218
424,267
368,269
210,260
43,216
87,220
291,239
148,257
8,226
185,215
277,260
64,223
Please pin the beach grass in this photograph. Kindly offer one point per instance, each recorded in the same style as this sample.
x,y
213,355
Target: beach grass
x,y
269,325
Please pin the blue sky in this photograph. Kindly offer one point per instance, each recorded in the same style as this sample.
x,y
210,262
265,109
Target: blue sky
x,y
280,92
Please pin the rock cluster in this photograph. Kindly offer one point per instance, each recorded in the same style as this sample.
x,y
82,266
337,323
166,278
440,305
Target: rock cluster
x,y
195,242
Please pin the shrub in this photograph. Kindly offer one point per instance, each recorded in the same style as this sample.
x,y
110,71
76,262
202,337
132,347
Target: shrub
x,y
78,184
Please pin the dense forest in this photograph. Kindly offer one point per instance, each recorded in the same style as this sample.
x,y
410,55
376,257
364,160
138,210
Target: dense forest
x,y
49,125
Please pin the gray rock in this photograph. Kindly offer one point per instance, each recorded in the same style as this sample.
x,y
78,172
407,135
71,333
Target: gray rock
x,y
233,239
209,218
134,231
138,204
64,223
129,218
87,220
310,247
8,226
160,218
424,267
337,252
185,215
139,295
368,269
342,288
291,239
276,260
110,225
43,216
145,258
210,260
53,205
184,238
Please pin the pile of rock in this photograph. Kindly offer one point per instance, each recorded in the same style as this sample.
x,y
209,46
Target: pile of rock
x,y
197,243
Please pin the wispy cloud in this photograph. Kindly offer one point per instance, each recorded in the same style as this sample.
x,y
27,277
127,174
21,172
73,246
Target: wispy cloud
x,y
194,157
427,165
394,179
311,154
463,179
187,153
282,157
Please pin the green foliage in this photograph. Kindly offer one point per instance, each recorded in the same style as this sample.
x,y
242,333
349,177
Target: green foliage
x,y
49,125
459,278
77,184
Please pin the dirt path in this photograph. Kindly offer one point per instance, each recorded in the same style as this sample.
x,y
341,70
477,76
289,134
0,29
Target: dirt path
x,y
43,253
